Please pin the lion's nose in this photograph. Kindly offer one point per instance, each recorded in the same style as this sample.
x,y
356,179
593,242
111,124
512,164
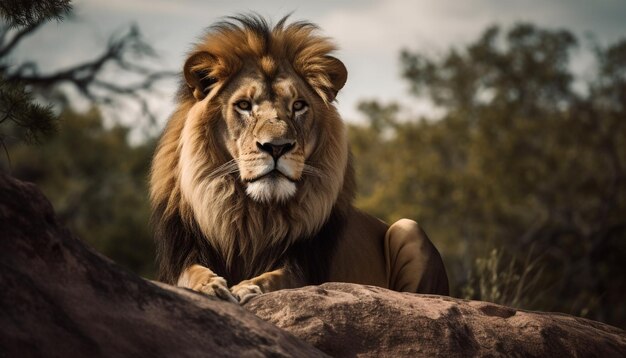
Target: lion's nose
x,y
274,149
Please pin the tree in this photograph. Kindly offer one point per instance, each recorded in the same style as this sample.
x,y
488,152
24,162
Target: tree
x,y
97,183
520,159
95,179
21,118
19,13
17,106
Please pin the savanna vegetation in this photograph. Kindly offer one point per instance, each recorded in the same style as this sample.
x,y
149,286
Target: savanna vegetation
x,y
521,181
520,178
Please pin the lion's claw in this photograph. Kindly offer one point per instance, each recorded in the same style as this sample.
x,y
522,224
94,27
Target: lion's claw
x,y
223,293
216,286
244,292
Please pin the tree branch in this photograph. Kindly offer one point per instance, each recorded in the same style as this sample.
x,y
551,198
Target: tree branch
x,y
5,50
122,53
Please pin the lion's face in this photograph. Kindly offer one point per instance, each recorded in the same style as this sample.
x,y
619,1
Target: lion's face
x,y
269,132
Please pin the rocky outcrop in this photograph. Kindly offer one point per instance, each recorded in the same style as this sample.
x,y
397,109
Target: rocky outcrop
x,y
60,298
347,320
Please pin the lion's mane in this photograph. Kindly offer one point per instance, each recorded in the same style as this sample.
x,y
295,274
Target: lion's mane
x,y
207,219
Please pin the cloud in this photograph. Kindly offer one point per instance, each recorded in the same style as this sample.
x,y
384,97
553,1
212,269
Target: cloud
x,y
383,26
370,33
371,36
389,25
143,6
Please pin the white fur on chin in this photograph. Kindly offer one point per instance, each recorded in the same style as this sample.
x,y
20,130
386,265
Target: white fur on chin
x,y
268,189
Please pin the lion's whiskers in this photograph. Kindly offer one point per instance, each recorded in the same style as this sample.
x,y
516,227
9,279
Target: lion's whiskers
x,y
230,167
313,171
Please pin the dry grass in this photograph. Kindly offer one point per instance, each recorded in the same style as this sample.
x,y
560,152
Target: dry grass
x,y
505,279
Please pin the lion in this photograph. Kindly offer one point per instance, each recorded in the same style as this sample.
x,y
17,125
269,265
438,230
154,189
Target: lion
x,y
252,181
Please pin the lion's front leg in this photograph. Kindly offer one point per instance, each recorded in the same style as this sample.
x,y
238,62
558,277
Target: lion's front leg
x,y
267,282
202,279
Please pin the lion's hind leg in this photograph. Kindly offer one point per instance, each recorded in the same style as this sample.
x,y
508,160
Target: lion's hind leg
x,y
202,279
413,262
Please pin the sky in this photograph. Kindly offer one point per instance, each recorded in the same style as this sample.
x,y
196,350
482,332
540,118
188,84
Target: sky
x,y
370,33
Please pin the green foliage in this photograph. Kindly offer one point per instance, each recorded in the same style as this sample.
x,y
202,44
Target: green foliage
x,y
97,183
519,159
29,12
23,85
94,178
31,121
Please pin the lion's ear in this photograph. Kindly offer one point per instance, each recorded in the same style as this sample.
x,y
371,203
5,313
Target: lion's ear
x,y
338,75
198,73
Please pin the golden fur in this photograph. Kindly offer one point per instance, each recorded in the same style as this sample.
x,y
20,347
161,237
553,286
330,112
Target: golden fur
x,y
185,178
251,183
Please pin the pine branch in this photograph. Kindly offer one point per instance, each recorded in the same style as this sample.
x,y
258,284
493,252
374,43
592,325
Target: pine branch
x,y
31,121
18,13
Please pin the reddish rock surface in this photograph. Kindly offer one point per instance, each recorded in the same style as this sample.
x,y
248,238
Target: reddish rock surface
x,y
347,320
59,298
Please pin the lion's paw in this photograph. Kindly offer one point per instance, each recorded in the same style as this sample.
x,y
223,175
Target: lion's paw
x,y
202,279
245,291
216,286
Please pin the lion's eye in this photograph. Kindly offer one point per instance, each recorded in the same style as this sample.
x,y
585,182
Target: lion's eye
x,y
244,105
299,106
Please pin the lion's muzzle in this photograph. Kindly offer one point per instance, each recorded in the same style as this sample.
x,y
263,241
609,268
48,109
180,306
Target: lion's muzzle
x,y
276,148
274,174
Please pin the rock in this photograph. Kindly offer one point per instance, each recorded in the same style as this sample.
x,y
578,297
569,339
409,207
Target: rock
x,y
60,298
347,320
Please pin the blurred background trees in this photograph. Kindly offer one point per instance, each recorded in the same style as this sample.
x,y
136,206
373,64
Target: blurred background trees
x,y
97,183
518,179
526,159
95,178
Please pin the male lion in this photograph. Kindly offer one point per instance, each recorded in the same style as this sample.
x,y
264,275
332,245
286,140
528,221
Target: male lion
x,y
252,183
